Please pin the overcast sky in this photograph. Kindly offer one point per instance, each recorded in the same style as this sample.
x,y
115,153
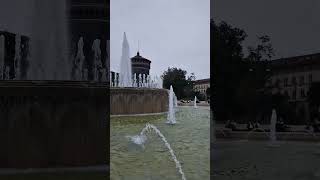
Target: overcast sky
x,y
293,25
173,33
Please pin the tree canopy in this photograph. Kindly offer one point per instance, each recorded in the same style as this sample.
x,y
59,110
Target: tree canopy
x,y
238,79
182,85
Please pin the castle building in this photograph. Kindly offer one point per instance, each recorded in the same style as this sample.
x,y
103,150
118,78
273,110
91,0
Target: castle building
x,y
140,65
90,19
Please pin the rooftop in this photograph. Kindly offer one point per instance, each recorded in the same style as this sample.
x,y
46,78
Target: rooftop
x,y
297,60
202,81
138,57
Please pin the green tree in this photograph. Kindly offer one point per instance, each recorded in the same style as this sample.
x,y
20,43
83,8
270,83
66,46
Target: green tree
x,y
264,50
258,75
180,82
239,81
228,68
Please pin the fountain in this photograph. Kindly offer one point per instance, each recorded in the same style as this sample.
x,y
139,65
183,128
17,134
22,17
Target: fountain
x,y
133,94
125,65
273,123
141,139
171,119
195,102
146,158
79,61
2,58
97,65
175,100
17,58
46,97
49,42
273,137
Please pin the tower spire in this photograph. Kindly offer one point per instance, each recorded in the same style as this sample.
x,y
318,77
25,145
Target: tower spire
x,y
138,53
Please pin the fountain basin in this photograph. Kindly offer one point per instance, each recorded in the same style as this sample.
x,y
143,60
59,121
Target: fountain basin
x,y
53,124
138,101
188,140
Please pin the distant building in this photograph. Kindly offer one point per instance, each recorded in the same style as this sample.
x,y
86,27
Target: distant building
x,y
140,65
201,86
90,19
8,54
293,77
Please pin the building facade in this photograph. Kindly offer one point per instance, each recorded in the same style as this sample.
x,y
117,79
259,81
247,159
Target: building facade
x,y
293,77
140,65
201,86
10,60
90,19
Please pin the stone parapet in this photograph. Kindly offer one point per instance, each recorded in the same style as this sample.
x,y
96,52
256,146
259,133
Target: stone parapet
x,y
126,101
49,124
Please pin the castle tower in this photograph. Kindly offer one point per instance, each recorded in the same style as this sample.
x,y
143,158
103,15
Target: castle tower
x,y
140,65
90,19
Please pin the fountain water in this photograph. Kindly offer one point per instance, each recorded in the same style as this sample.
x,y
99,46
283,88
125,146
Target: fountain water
x,y
143,80
171,119
7,73
79,61
273,126
49,42
195,102
17,58
2,46
140,80
125,65
175,101
97,66
141,139
135,84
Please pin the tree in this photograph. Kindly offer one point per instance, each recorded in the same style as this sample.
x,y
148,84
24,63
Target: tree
x,y
239,82
258,75
264,50
259,58
228,68
180,83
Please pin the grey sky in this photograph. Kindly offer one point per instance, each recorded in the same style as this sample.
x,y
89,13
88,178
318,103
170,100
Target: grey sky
x,y
171,33
293,25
